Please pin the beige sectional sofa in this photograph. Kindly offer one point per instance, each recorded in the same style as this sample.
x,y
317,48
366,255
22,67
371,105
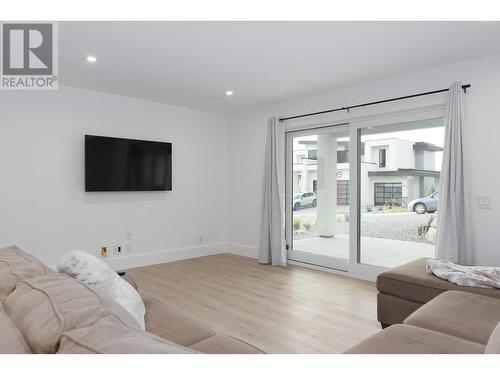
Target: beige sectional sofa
x,y
42,311
425,315
406,288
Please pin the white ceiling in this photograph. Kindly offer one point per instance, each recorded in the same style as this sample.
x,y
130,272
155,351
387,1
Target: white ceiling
x,y
193,63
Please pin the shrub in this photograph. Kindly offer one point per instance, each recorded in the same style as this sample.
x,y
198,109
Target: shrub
x,y
296,224
307,226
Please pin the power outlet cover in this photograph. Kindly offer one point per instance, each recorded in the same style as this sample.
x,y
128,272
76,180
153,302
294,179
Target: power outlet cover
x,y
484,202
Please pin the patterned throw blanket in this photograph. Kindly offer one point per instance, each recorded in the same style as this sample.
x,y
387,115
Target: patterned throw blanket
x,y
477,276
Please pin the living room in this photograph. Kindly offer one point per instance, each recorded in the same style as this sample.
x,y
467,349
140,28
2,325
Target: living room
x,y
249,186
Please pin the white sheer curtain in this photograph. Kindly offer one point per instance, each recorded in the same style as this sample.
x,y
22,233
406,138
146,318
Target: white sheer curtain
x,y
453,230
272,246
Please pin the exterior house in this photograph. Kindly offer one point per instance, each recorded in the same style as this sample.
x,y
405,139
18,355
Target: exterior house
x,y
393,171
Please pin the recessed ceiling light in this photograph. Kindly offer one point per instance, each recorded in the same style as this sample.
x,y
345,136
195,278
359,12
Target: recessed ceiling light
x,y
91,58
229,93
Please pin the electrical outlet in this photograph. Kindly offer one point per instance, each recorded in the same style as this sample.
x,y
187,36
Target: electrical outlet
x,y
117,250
200,239
129,235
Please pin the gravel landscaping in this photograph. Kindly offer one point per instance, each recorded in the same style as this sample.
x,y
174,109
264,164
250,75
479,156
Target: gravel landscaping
x,y
397,225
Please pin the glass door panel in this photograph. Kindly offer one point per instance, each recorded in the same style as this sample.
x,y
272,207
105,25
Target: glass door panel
x,y
318,196
399,170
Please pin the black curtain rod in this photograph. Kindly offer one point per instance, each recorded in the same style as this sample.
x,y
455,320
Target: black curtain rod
x,y
464,87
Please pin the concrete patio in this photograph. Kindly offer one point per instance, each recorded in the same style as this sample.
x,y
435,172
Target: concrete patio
x,y
374,251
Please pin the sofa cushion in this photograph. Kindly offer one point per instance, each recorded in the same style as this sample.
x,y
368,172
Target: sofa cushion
x,y
11,341
469,316
493,346
406,339
221,344
44,307
110,336
17,265
164,322
410,281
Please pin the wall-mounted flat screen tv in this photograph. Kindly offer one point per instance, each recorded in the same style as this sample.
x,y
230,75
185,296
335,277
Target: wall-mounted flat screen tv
x,y
118,164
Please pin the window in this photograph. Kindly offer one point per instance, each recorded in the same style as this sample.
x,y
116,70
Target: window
x,y
342,192
312,154
382,157
343,156
388,193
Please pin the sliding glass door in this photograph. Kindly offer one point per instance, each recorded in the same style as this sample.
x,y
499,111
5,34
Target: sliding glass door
x,y
362,197
318,197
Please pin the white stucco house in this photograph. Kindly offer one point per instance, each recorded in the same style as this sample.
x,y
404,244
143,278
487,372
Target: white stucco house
x,y
393,171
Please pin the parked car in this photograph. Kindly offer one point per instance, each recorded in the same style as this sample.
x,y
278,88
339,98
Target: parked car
x,y
301,200
423,205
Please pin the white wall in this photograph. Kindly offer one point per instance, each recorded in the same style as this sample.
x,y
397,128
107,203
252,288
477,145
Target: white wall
x,y
44,209
399,154
247,135
404,154
43,206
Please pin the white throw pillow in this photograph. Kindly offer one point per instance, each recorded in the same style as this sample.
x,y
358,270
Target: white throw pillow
x,y
95,273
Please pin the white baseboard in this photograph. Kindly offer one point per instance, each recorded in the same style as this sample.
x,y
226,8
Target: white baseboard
x,y
243,250
139,260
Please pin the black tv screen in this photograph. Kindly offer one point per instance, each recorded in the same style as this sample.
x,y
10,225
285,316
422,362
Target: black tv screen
x,y
118,164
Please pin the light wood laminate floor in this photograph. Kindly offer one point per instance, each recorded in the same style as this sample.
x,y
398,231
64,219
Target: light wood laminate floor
x,y
277,309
